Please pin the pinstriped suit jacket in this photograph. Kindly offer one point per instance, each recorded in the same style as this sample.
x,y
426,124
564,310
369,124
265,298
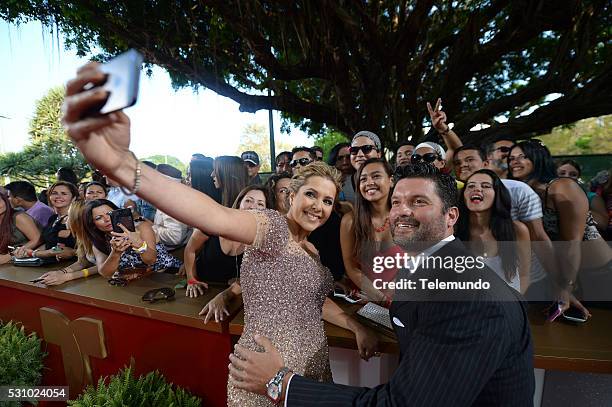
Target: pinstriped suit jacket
x,y
472,351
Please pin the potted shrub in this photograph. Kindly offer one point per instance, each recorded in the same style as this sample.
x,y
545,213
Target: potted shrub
x,y
123,389
21,357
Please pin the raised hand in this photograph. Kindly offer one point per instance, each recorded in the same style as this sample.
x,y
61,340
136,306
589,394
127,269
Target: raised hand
x,y
103,140
438,117
133,238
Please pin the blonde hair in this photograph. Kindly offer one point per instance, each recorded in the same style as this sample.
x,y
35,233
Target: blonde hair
x,y
316,169
76,224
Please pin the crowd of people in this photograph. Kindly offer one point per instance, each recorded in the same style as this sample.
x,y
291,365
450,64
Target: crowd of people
x,y
313,225
508,192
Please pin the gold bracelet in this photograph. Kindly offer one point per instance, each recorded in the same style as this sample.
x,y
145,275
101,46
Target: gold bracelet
x,y
85,272
137,174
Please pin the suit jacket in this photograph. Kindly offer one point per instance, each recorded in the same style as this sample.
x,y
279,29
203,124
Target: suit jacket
x,y
471,350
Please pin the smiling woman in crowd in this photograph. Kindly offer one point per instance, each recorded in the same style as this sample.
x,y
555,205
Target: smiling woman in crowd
x,y
59,242
366,231
486,222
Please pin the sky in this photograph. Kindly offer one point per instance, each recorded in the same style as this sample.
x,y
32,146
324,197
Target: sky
x,y
164,121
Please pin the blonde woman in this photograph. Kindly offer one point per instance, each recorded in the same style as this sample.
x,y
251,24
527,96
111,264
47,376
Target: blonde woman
x,y
85,264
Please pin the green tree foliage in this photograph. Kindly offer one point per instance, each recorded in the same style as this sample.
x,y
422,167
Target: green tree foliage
x,y
588,136
354,65
255,137
49,148
168,159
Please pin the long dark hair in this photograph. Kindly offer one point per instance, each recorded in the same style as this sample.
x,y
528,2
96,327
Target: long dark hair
x,y
544,169
98,239
6,224
199,173
362,228
500,222
232,176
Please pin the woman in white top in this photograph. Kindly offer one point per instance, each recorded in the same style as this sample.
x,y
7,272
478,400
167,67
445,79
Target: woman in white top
x,y
485,221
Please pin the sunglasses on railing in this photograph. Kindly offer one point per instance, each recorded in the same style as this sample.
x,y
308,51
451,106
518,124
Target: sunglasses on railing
x,y
427,157
302,161
367,149
158,294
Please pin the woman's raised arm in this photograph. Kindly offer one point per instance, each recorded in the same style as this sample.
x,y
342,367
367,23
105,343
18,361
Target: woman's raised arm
x,y
105,140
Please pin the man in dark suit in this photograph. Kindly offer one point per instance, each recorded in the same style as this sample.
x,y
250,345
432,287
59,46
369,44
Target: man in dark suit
x,y
469,347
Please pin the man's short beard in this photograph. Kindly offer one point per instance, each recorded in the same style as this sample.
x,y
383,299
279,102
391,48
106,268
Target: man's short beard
x,y
425,236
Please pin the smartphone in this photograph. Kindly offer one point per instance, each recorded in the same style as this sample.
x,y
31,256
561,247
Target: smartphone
x,y
353,299
123,76
554,311
123,216
573,314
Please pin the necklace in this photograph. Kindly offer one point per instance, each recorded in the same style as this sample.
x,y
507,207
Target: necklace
x,y
382,227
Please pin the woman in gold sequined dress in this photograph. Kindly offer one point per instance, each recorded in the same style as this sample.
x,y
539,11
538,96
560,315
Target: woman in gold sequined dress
x,y
284,284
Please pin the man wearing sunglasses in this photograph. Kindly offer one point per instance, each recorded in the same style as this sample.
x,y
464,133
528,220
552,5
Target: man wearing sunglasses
x,y
365,145
497,156
301,157
429,153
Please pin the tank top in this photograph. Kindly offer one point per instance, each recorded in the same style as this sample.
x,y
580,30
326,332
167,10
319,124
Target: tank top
x,y
17,236
550,220
51,233
212,265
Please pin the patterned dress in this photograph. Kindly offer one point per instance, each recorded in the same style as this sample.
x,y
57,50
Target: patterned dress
x,y
283,289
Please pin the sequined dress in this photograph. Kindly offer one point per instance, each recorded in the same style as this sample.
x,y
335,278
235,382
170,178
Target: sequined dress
x,y
283,289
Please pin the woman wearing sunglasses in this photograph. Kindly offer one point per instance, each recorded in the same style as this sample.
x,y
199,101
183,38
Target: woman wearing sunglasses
x,y
566,219
365,231
365,145
285,287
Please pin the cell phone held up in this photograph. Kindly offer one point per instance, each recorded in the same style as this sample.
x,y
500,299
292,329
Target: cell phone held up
x,y
122,81
123,216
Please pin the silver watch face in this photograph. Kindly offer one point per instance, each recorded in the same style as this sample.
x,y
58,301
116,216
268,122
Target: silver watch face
x,y
273,391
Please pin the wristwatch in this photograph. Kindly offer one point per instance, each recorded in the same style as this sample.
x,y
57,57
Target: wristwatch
x,y
275,385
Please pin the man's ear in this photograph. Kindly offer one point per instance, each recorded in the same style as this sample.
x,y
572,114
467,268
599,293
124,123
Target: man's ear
x,y
452,216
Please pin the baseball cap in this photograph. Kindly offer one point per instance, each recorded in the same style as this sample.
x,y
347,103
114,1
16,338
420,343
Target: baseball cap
x,y
250,156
